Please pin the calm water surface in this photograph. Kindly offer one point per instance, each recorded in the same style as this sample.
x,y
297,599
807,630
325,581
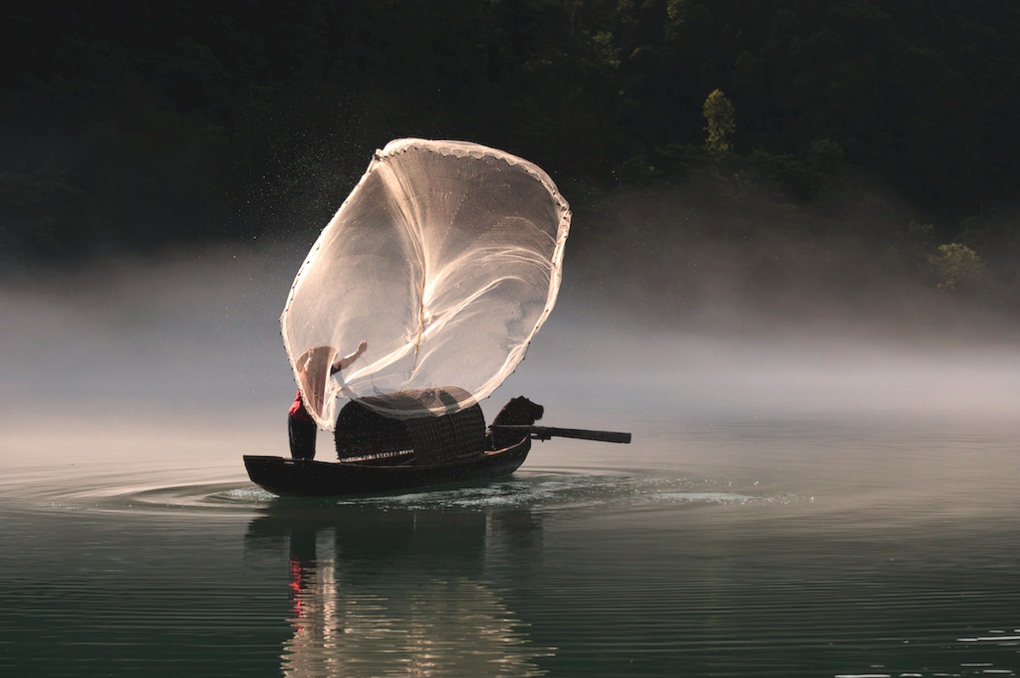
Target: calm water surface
x,y
850,545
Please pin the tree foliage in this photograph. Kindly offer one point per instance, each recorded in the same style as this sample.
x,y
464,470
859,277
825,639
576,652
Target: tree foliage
x,y
137,125
959,268
721,121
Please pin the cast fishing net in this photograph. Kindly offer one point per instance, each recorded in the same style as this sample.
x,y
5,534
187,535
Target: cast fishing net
x,y
446,258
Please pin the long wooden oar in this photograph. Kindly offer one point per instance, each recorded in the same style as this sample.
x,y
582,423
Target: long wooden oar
x,y
547,432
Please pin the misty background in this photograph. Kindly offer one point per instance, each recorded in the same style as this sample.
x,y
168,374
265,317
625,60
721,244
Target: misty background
x,y
181,358
847,240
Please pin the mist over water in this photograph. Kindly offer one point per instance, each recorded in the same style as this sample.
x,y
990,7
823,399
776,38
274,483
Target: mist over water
x,y
190,342
193,341
800,499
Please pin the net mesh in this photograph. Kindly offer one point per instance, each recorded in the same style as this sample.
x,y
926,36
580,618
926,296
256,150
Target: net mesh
x,y
362,432
446,257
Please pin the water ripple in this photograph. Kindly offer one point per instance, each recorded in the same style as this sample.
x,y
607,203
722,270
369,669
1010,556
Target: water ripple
x,y
563,491
158,491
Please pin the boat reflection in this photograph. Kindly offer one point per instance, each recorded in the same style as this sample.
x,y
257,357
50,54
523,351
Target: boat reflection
x,y
411,592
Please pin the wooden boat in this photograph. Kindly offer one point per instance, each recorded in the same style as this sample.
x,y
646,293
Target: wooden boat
x,y
447,255
310,478
379,454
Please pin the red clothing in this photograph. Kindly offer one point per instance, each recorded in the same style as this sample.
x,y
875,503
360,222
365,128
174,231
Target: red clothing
x,y
298,411
297,408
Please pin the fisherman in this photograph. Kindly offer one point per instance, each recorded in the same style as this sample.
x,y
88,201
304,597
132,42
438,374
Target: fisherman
x,y
300,424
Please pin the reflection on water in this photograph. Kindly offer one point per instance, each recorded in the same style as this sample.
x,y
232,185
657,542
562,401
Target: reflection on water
x,y
876,546
798,506
403,593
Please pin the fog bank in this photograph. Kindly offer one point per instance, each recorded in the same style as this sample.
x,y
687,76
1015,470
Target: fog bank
x,y
184,354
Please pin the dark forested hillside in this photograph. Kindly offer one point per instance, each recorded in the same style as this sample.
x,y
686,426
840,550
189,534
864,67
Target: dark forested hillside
x,y
130,126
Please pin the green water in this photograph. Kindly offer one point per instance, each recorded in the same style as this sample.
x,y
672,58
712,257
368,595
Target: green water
x,y
829,546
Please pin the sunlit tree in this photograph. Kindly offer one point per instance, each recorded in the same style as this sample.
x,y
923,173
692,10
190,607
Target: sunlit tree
x,y
721,121
958,267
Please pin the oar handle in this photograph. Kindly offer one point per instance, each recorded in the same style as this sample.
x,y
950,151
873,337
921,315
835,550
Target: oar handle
x,y
547,432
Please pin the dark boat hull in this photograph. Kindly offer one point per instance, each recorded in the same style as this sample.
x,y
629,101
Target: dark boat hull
x,y
307,478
